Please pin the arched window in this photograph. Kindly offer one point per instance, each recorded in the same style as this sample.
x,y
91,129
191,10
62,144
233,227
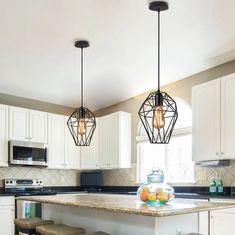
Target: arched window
x,y
175,158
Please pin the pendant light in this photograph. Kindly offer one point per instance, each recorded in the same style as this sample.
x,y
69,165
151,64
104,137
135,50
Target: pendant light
x,y
158,113
82,121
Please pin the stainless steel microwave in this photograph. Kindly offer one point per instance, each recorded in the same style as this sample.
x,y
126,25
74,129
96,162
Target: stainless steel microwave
x,y
27,153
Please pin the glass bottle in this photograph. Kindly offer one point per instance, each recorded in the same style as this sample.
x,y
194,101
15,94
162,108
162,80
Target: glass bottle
x,y
220,186
213,186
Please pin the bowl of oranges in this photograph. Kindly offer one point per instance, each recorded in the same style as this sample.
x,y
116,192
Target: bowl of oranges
x,y
155,191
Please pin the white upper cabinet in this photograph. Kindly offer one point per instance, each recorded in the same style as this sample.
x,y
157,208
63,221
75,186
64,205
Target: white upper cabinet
x,y
227,117
90,154
56,141
72,152
115,140
18,124
103,143
62,152
213,122
27,125
206,121
38,126
3,135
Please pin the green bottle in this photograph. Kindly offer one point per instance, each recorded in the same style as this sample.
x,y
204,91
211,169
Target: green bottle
x,y
220,186
213,186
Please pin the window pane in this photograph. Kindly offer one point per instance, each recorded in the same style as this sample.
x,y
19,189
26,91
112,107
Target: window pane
x,y
180,167
151,155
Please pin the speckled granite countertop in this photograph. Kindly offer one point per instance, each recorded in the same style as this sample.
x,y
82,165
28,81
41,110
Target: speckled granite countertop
x,y
128,204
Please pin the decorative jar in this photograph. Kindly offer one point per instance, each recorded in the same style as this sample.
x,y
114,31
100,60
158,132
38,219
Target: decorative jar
x,y
155,191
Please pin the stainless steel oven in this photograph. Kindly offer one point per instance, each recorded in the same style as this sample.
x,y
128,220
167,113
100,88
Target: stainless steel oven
x,y
27,153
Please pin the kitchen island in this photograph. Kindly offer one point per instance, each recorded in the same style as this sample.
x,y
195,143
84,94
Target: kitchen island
x,y
125,215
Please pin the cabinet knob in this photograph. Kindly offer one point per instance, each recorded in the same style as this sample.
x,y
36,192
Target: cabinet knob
x,y
222,153
217,153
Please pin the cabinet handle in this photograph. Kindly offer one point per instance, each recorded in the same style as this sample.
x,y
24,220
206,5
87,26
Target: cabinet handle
x,y
222,153
217,153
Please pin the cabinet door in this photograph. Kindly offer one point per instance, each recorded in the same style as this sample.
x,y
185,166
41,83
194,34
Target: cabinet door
x,y
18,124
72,152
56,141
3,135
113,135
227,117
206,121
7,215
221,223
38,126
90,154
103,143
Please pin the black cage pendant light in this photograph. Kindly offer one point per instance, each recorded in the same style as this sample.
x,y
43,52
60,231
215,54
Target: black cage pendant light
x,y
82,121
158,113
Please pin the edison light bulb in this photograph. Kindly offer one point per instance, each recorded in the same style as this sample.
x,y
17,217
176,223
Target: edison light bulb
x,y
158,118
82,127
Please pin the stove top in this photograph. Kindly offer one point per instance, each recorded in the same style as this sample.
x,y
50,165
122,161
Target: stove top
x,y
26,187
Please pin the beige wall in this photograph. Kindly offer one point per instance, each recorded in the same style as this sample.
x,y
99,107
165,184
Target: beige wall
x,y
181,89
34,104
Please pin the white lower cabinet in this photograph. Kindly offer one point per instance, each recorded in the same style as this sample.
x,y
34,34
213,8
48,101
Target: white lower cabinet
x,y
7,215
222,221
62,152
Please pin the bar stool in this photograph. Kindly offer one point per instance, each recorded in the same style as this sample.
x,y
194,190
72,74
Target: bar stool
x,y
193,234
58,229
28,226
97,233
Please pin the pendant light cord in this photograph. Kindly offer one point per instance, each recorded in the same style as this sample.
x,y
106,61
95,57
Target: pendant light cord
x,y
158,45
82,77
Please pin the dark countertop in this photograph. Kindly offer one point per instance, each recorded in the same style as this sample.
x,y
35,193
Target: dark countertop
x,y
194,192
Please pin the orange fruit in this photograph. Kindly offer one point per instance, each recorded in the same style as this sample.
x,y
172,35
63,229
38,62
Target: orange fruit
x,y
145,189
144,196
162,197
159,190
152,197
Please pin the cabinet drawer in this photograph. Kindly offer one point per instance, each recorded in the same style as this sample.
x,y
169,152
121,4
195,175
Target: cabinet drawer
x,y
7,201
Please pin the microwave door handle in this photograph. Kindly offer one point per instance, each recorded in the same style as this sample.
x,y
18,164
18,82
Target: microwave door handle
x,y
46,155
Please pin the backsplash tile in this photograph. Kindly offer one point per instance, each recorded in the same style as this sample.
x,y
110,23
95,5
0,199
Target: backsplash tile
x,y
50,177
120,177
203,176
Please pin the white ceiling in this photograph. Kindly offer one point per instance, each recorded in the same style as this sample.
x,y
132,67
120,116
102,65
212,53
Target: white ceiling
x,y
38,59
